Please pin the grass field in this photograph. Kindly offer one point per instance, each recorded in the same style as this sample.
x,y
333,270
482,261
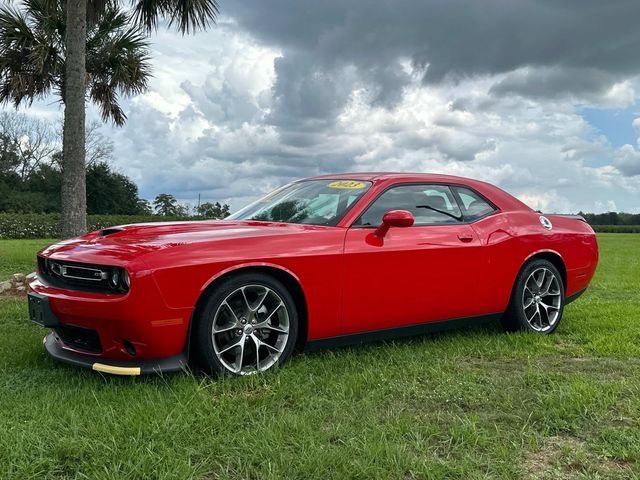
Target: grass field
x,y
18,256
468,404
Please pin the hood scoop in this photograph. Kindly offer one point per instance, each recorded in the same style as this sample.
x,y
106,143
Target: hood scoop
x,y
110,231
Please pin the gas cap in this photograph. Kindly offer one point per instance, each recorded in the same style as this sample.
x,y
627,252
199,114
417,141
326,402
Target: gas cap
x,y
545,222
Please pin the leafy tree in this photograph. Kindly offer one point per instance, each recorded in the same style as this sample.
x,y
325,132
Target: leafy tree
x,y
110,192
166,205
103,57
214,211
9,157
31,176
144,207
46,183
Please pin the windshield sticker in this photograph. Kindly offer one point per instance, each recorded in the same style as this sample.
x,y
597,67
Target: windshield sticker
x,y
346,184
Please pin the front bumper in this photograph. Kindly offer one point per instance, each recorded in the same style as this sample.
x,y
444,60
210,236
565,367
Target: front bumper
x,y
120,334
54,346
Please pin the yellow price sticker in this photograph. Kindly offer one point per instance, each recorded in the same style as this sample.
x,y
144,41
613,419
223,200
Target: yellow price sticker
x,y
346,184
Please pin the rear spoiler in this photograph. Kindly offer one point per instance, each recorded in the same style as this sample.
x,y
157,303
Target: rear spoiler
x,y
575,217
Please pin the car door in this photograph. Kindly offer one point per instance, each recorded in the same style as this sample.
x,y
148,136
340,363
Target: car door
x,y
427,272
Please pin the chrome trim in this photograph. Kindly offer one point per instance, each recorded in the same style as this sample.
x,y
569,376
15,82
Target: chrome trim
x,y
63,273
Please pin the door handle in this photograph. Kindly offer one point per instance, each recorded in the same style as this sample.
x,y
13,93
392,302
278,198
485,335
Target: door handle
x,y
465,237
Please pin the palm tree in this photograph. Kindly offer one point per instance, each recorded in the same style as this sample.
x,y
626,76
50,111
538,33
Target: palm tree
x,y
33,59
103,70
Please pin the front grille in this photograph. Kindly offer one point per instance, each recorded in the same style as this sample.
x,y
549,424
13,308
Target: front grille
x,y
79,338
81,276
75,272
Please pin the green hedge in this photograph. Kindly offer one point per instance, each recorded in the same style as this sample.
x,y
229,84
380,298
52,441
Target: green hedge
x,y
20,225
617,228
36,225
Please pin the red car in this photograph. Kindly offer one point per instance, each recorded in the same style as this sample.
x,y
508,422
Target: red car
x,y
325,261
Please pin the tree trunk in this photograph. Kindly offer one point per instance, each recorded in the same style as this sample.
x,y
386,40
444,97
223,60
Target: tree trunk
x,y
74,196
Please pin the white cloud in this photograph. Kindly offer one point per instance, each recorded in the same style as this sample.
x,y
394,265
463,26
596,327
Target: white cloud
x,y
218,138
627,160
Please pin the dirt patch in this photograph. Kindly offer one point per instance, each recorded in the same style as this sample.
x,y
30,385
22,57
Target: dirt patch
x,y
565,457
11,296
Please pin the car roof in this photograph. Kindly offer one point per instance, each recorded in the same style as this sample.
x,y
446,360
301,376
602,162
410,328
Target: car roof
x,y
399,176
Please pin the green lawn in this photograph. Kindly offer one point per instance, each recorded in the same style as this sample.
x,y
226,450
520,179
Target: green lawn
x,y
468,404
19,256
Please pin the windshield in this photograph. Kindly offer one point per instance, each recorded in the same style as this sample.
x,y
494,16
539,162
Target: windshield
x,y
312,202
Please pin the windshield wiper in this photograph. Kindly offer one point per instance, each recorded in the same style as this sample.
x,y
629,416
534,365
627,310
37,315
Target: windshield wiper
x,y
455,217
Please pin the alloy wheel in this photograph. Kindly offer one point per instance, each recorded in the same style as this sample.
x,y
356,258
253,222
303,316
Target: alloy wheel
x,y
250,329
542,299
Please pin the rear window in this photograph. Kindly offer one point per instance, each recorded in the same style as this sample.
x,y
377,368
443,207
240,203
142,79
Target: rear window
x,y
473,205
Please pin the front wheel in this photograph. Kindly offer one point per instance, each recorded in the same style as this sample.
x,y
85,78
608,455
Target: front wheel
x,y
537,300
247,325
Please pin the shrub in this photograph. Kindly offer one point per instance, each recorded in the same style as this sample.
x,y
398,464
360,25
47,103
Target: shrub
x,y
47,225
616,228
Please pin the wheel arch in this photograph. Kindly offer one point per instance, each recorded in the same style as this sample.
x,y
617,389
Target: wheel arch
x,y
551,256
286,277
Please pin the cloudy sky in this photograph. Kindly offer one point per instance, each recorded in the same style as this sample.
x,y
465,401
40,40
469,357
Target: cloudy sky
x,y
537,96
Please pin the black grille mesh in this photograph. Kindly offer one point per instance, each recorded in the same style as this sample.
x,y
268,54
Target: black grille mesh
x,y
79,338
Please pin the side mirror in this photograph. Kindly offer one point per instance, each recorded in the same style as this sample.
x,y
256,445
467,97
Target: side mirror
x,y
394,218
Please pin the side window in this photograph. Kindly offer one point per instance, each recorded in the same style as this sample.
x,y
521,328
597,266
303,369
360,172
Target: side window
x,y
429,204
474,205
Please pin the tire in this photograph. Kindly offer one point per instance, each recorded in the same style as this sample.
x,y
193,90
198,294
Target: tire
x,y
537,299
251,312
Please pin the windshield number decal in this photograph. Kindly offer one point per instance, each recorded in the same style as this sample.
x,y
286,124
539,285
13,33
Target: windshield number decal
x,y
346,184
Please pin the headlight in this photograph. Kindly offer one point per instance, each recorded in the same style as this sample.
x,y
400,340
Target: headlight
x,y
119,279
115,276
126,280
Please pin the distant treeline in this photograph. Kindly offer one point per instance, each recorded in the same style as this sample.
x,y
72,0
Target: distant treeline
x,y
31,178
612,218
616,228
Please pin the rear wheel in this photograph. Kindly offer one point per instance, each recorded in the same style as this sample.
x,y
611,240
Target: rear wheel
x,y
537,300
247,325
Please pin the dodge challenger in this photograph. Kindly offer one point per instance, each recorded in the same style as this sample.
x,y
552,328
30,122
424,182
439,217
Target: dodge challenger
x,y
320,262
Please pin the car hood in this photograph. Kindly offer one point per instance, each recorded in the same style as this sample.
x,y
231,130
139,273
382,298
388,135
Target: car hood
x,y
121,244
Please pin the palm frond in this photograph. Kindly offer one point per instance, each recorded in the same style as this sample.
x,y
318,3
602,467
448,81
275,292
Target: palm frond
x,y
32,54
15,31
107,99
41,10
111,21
118,60
29,64
187,16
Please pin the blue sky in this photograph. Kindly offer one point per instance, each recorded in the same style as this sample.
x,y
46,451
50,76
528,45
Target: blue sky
x,y
613,123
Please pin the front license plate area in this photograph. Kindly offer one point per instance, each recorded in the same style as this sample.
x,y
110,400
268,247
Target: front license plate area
x,y
39,310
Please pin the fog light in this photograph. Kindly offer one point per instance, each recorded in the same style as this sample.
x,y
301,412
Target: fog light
x,y
128,346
